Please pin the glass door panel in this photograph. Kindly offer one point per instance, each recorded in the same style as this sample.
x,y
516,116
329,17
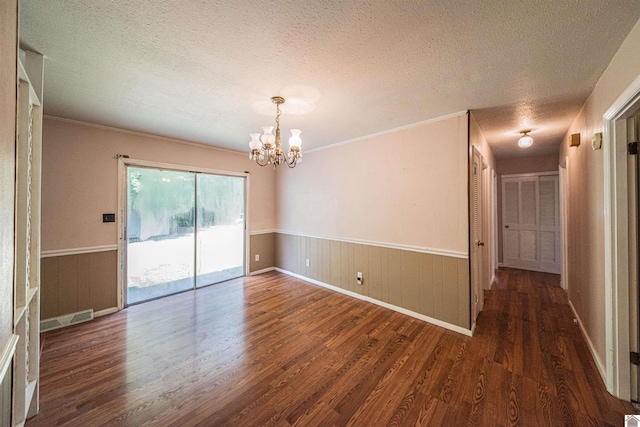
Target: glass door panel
x,y
160,233
220,228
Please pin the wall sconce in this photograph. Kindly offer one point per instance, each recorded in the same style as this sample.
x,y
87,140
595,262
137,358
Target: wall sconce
x,y
574,140
596,141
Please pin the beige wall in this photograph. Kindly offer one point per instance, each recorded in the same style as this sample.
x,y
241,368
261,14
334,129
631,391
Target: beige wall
x,y
8,83
520,165
432,285
80,182
80,179
586,193
408,187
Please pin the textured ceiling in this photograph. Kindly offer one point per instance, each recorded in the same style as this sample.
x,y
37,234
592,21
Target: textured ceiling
x,y
198,70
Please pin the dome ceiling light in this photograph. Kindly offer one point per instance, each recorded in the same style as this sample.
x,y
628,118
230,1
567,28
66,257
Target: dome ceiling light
x,y
525,141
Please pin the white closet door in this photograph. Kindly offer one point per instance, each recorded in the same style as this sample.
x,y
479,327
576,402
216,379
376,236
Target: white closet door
x,y
549,223
477,260
531,233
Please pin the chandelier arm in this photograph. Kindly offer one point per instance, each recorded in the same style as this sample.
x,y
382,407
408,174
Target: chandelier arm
x,y
292,162
266,161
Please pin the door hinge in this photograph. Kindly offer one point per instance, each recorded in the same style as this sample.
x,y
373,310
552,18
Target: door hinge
x,y
632,148
635,358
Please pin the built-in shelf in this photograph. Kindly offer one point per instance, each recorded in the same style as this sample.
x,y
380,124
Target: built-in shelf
x,y
26,362
19,311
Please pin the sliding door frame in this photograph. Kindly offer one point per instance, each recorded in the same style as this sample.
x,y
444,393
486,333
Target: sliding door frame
x,y
123,164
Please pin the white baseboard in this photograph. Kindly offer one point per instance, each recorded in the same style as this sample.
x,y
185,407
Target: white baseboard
x,y
493,279
105,311
599,363
264,270
422,317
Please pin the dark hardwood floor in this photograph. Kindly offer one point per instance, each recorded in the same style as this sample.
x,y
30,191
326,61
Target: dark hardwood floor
x,y
275,350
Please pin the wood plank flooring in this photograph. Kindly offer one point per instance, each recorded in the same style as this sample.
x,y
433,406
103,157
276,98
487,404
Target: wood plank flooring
x,y
274,350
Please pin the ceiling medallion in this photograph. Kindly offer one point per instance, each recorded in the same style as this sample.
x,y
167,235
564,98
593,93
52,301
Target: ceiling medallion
x,y
267,149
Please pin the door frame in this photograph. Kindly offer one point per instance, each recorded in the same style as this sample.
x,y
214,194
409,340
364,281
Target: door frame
x,y
616,241
564,216
123,163
494,222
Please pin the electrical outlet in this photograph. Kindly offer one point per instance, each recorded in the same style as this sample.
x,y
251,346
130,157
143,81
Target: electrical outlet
x,y
359,278
307,262
257,257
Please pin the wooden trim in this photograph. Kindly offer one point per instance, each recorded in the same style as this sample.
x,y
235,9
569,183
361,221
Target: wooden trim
x,y
432,251
386,132
616,257
247,220
7,355
264,270
143,134
78,251
422,317
105,312
592,349
179,168
258,232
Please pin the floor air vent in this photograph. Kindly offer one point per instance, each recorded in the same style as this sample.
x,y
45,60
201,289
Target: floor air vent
x,y
66,320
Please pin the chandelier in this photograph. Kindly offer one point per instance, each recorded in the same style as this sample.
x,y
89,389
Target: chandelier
x,y
267,149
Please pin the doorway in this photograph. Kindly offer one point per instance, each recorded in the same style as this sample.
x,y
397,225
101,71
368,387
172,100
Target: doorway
x,y
183,230
620,261
564,215
633,165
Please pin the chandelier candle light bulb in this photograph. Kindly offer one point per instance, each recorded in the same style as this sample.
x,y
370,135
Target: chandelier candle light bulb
x,y
267,149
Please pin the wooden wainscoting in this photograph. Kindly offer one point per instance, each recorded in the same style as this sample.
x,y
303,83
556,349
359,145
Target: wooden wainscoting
x,y
262,244
272,349
5,399
433,285
72,283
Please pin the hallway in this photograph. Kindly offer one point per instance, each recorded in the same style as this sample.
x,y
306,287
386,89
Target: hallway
x,y
272,349
527,329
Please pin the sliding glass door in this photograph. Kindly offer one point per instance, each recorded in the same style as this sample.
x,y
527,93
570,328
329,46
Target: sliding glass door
x,y
220,228
184,230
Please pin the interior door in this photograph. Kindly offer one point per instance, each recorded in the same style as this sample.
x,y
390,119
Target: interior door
x,y
531,220
633,134
477,244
